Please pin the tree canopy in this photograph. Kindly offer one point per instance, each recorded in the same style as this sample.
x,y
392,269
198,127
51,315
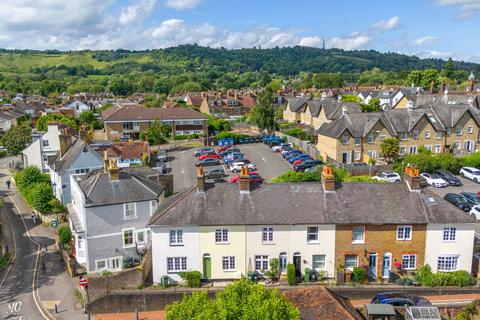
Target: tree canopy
x,y
263,114
17,138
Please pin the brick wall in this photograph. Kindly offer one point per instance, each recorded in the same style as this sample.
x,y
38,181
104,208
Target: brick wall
x,y
379,239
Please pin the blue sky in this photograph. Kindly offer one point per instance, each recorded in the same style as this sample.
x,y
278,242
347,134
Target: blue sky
x,y
426,28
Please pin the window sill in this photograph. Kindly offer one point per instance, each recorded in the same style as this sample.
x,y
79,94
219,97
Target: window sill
x,y
129,246
176,245
358,242
222,243
230,270
268,243
313,242
129,218
175,271
404,239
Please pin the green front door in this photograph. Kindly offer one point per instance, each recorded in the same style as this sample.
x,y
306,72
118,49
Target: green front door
x,y
207,268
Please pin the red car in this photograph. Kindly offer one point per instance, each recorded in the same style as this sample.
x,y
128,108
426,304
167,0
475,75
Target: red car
x,y
209,156
224,148
254,178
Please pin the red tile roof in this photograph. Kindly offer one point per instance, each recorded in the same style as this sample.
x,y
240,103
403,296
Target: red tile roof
x,y
126,150
136,112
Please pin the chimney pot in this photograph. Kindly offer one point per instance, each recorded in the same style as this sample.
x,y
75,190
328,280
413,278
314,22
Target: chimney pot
x,y
113,170
200,179
244,180
412,177
328,179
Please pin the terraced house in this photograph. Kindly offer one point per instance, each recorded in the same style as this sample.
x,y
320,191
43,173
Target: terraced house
x,y
226,231
439,128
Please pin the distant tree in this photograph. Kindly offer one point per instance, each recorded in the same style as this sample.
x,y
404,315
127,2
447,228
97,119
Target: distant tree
x,y
120,86
263,114
42,122
17,138
372,106
390,149
241,300
157,133
350,98
449,69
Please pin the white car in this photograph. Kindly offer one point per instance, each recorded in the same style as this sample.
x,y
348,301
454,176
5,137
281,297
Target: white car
x,y
388,176
434,180
276,148
237,166
475,212
470,173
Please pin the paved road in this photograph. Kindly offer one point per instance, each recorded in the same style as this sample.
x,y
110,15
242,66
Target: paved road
x,y
18,299
268,163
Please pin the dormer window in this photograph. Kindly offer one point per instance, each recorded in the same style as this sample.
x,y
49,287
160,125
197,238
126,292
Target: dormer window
x,y
415,134
345,139
370,139
403,136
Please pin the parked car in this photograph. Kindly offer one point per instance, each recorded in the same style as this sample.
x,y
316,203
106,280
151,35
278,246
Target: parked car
x,y
314,168
398,299
223,148
205,150
281,147
475,212
254,178
162,155
285,150
291,152
207,162
236,158
300,157
237,166
458,201
388,176
209,156
471,197
470,173
449,177
434,180
293,155
215,174
307,164
161,167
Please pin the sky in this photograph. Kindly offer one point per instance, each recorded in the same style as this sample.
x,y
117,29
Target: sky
x,y
425,28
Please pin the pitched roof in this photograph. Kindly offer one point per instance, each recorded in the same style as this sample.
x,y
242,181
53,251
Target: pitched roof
x,y
125,150
296,104
61,163
450,114
136,112
358,124
318,303
132,186
196,99
306,203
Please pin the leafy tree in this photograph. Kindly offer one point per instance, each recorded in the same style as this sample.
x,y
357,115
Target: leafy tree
x,y
390,148
17,138
263,114
240,300
39,197
218,125
42,123
89,119
372,106
350,98
157,133
30,176
448,69
64,234
120,86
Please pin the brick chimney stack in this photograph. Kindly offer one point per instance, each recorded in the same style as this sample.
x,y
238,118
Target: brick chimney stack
x,y
412,177
114,171
244,181
328,179
83,133
200,180
65,140
106,161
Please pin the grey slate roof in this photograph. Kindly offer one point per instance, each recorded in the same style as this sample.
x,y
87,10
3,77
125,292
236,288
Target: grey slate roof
x,y
100,190
61,164
450,114
296,104
306,203
358,124
332,107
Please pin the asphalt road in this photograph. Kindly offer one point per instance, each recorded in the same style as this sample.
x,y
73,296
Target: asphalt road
x,y
18,300
268,163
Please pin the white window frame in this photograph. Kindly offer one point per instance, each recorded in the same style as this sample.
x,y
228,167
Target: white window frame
x,y
408,259
415,134
353,266
457,131
125,217
267,235
438,148
358,241
357,155
452,264
82,171
359,140
45,143
401,233
145,240
105,261
428,147
229,263
412,148
319,261
439,135
403,135
449,234
313,233
370,139
153,207
345,139
181,262
177,236
263,261
402,150
470,129
372,154
111,261
427,134
221,236
133,238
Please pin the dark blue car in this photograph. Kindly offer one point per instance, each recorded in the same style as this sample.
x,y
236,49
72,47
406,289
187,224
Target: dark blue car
x,y
291,152
398,299
299,157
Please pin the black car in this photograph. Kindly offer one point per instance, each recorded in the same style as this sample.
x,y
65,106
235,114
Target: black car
x,y
207,162
203,151
398,299
471,197
458,201
215,174
306,164
449,177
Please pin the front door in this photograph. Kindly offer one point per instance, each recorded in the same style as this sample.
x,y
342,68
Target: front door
x,y
387,260
345,157
297,261
207,267
372,266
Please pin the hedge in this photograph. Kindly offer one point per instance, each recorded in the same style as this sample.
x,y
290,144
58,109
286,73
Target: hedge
x,y
193,278
188,136
291,278
427,162
231,135
64,234
427,278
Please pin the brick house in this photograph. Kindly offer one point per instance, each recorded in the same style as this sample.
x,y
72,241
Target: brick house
x,y
128,120
231,104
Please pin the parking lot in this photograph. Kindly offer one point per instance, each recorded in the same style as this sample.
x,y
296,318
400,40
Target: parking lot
x,y
468,186
268,164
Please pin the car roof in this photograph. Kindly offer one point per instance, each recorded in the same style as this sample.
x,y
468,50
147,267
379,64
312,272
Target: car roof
x,y
471,168
391,295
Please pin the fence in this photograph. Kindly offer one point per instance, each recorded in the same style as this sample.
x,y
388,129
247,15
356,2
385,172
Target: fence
x,y
306,146
361,170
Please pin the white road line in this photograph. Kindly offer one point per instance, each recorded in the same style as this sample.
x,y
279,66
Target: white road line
x,y
14,249
35,270
183,171
264,160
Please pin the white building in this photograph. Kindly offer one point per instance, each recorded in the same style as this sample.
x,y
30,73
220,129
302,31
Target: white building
x,y
43,146
78,106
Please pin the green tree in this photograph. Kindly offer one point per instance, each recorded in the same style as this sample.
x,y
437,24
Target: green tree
x,y
449,69
89,119
157,133
263,114
390,148
30,176
120,86
240,300
372,106
350,98
42,123
64,234
39,197
17,138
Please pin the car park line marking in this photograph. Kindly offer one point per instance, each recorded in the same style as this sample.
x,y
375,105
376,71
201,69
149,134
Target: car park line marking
x,y
264,160
183,171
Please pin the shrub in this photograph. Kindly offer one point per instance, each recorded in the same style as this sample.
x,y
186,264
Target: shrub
x,y
428,163
187,136
427,278
39,197
28,177
291,278
232,135
64,234
292,176
359,275
193,278
296,133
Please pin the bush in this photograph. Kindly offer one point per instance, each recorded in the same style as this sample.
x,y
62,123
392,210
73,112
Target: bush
x,y
428,163
188,136
193,278
296,133
231,135
64,234
3,153
39,197
427,278
359,275
28,177
292,176
291,278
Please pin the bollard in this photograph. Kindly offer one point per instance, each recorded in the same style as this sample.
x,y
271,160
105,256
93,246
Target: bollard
x,y
56,308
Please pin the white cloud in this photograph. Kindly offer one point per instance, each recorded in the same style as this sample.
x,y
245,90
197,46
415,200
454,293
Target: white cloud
x,y
310,41
182,4
467,8
386,25
353,41
434,54
136,11
424,40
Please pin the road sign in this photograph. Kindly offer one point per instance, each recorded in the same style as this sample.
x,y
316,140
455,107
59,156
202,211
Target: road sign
x,y
83,282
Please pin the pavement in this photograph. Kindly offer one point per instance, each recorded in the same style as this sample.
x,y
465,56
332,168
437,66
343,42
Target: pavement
x,y
27,290
269,164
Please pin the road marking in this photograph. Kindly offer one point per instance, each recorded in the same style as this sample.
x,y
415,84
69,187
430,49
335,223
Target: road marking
x,y
51,304
183,171
35,269
14,249
264,160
